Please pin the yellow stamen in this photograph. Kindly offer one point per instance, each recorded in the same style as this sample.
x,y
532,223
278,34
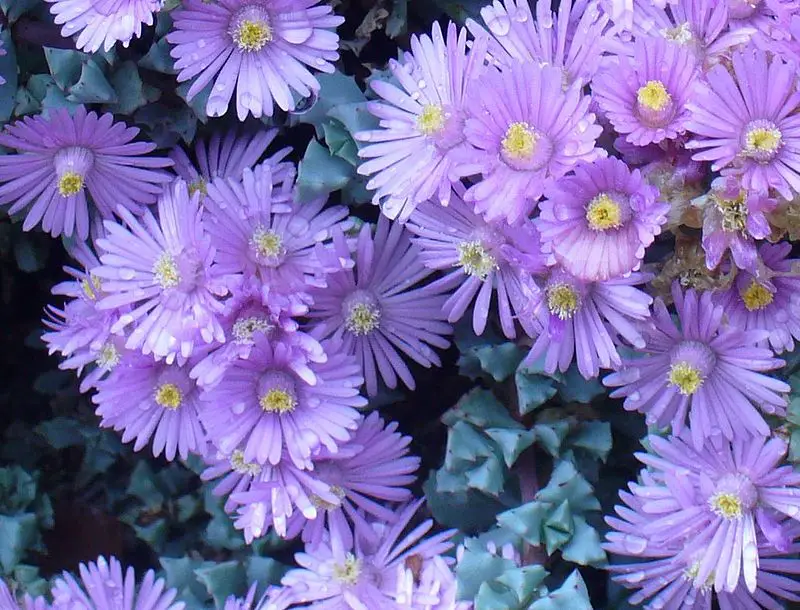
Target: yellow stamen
x,y
70,183
245,328
653,95
348,573
108,357
431,119
685,377
603,213
475,259
169,396
166,271
726,505
562,300
324,505
681,34
198,185
277,401
362,319
242,466
756,296
520,141
91,287
267,243
760,140
252,35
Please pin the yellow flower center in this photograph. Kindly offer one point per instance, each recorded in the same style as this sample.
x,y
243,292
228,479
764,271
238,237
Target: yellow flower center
x,y
520,141
91,287
242,466
70,183
348,573
475,259
277,401
108,357
727,505
251,35
166,271
685,377
653,95
681,34
603,213
756,296
761,140
324,505
693,571
362,319
245,328
431,119
267,243
198,185
562,300
169,396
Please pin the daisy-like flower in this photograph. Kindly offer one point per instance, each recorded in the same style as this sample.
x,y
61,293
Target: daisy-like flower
x,y
227,156
103,586
715,502
645,96
410,155
164,269
479,259
7,601
369,573
583,320
598,222
148,400
747,124
769,18
103,23
573,40
63,157
525,131
260,48
234,473
709,371
260,234
381,309
733,218
767,302
278,401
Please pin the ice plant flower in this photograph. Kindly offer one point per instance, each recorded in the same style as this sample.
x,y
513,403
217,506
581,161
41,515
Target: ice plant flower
x,y
733,218
645,96
163,269
597,223
479,260
747,124
381,310
524,131
261,235
63,158
103,23
277,400
148,400
261,48
232,472
583,320
767,302
573,40
103,585
703,369
368,573
421,122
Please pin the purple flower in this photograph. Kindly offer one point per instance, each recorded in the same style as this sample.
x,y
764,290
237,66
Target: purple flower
x,y
768,302
8,602
104,587
62,157
261,48
597,223
525,131
572,41
714,504
2,82
102,23
234,472
479,259
277,400
368,573
148,400
260,235
582,320
747,121
380,309
163,268
704,369
243,603
422,124
229,155
732,217
645,96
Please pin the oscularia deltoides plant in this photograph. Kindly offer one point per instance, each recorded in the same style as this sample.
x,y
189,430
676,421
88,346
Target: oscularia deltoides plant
x,y
301,229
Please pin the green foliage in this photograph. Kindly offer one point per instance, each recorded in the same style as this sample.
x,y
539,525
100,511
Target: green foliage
x,y
23,512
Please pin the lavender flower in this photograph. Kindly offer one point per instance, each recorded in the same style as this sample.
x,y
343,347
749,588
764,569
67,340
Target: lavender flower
x,y
410,156
148,400
103,586
164,269
582,320
278,401
769,301
366,574
261,48
525,131
747,124
62,157
479,259
2,82
102,23
260,234
645,96
244,603
380,310
697,369
597,223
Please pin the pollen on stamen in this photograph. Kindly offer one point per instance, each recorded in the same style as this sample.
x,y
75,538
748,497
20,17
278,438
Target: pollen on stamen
x,y
278,401
169,396
242,466
681,34
70,183
362,318
252,35
603,213
349,572
198,186
653,95
756,296
91,285
562,300
726,505
267,243
108,356
762,141
475,259
519,141
686,377
245,328
166,271
431,120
